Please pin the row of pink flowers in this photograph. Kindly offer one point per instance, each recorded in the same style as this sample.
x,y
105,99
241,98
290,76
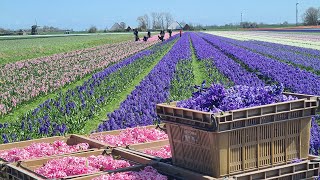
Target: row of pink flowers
x,y
166,36
131,136
148,173
23,80
36,150
163,152
71,165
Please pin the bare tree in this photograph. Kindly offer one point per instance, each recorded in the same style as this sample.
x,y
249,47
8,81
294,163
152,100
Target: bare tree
x,y
92,29
123,25
168,19
311,16
154,19
142,22
160,20
147,20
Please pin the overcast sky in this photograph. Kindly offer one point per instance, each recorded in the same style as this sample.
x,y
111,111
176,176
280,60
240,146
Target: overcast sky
x,y
80,14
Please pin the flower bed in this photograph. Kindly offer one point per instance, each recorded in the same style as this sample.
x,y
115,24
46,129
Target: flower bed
x,y
139,107
24,80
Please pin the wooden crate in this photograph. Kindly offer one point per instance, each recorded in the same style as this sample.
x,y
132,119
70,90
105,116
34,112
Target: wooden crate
x,y
154,146
238,141
117,132
172,172
25,170
70,140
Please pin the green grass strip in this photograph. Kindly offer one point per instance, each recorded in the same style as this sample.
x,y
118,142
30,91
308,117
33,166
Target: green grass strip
x,y
199,70
120,97
21,49
204,70
182,82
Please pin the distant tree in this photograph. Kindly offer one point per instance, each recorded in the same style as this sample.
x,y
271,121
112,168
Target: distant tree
x,y
20,32
142,22
2,30
191,25
198,27
310,17
159,21
162,20
123,25
154,19
106,30
248,25
92,29
147,21
168,19
285,23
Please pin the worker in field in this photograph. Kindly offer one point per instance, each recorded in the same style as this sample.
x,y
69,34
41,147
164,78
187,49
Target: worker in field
x,y
162,33
149,34
170,32
180,32
161,37
145,38
135,32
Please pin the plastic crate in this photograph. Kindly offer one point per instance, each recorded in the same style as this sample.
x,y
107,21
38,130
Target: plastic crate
x,y
172,172
307,169
117,132
238,141
25,170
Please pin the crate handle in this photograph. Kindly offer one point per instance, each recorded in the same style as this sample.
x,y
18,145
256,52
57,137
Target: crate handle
x,y
159,127
167,160
2,167
214,121
19,163
5,161
107,151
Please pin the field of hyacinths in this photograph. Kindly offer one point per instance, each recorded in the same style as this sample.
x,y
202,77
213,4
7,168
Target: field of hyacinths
x,y
116,86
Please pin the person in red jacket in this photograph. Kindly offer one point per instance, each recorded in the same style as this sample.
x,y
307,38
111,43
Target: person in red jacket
x,y
180,32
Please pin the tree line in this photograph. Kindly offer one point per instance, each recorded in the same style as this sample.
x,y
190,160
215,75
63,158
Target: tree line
x,y
155,21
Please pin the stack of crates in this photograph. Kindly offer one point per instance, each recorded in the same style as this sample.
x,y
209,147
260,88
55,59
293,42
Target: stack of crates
x,y
250,140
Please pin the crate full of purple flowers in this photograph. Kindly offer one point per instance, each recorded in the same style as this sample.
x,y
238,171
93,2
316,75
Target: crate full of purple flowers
x,y
225,131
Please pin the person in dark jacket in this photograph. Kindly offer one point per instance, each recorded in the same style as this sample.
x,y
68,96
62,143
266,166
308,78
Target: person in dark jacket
x,y
170,32
135,32
149,34
162,33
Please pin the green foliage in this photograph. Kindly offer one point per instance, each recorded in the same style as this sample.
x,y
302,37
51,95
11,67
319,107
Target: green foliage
x,y
92,29
183,81
13,50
